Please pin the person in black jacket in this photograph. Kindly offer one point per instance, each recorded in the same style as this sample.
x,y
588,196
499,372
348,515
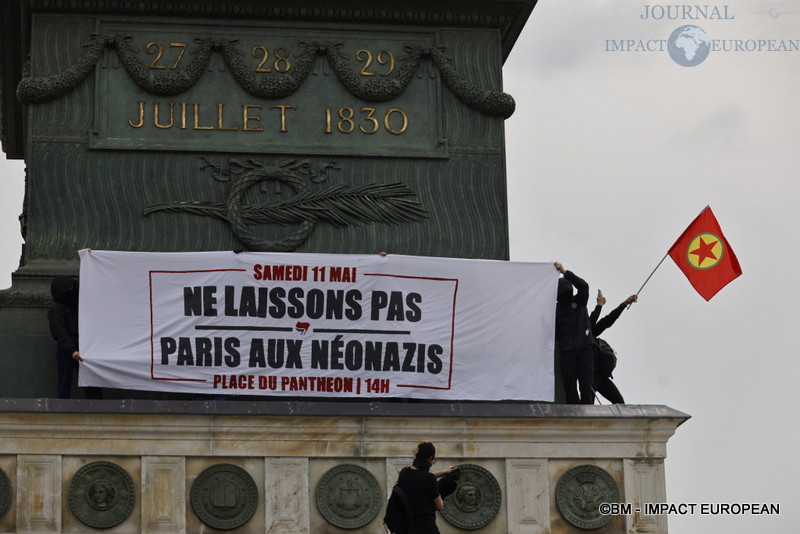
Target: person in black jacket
x,y
63,319
574,337
602,377
424,492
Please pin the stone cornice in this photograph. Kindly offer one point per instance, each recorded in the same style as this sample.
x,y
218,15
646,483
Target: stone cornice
x,y
508,16
484,14
273,428
515,410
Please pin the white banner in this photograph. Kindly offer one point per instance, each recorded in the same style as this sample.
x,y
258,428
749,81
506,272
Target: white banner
x,y
317,325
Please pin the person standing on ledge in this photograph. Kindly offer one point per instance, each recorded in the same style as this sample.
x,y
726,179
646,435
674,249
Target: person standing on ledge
x,y
574,337
602,373
424,492
63,319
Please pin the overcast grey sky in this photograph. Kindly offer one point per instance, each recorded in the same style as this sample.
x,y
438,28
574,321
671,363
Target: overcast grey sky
x,y
611,154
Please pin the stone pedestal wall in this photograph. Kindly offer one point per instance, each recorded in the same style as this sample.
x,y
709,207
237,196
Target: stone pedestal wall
x,y
293,451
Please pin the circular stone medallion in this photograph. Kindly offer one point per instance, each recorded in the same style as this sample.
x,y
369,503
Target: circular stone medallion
x,y
224,496
348,496
580,492
101,494
5,493
476,501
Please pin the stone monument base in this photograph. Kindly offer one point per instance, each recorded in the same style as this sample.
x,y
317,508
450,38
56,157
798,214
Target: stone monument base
x,y
324,467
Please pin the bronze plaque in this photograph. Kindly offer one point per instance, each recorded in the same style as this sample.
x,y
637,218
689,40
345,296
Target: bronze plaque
x,y
101,494
580,492
224,496
348,496
5,493
267,88
476,501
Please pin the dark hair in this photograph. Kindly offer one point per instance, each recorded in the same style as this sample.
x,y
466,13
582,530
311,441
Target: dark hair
x,y
424,451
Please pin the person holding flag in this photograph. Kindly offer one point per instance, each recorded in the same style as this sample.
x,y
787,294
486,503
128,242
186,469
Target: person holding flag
x,y
602,370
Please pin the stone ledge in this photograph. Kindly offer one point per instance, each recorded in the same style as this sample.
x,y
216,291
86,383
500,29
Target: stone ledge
x,y
340,429
534,410
288,446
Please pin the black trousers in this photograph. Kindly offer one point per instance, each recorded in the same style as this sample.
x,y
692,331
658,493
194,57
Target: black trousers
x,y
578,366
66,366
605,387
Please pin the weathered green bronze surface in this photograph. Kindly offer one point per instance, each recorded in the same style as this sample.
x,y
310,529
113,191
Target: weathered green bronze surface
x,y
126,114
5,493
476,501
348,496
580,492
224,496
338,205
262,89
248,125
101,494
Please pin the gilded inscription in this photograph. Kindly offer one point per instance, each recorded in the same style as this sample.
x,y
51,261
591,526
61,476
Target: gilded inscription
x,y
336,79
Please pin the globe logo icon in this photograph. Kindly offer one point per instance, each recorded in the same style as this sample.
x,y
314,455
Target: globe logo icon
x,y
688,46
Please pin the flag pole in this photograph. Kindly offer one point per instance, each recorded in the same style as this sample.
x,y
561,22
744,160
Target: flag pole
x,y
649,277
708,207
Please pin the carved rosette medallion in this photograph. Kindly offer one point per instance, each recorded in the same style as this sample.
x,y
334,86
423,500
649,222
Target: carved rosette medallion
x,y
5,493
101,494
348,496
580,492
476,501
224,496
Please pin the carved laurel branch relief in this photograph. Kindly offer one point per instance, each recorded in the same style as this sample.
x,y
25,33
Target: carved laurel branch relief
x,y
32,90
340,205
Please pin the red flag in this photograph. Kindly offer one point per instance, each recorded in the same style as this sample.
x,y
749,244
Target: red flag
x,y
704,255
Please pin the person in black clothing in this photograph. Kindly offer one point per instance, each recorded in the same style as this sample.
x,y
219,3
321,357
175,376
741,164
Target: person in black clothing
x,y
602,377
574,337
63,319
424,492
